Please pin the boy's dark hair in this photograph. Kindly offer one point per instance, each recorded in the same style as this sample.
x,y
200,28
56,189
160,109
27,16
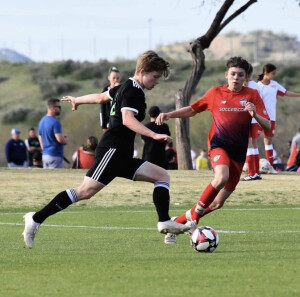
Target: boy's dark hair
x,y
52,101
238,62
154,111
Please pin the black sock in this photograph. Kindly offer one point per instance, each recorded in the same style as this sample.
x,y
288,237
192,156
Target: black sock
x,y
58,203
161,199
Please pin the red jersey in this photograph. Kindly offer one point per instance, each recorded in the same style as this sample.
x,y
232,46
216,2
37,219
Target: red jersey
x,y
231,122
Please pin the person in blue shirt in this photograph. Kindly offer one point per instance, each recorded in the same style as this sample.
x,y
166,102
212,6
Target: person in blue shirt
x,y
50,136
15,150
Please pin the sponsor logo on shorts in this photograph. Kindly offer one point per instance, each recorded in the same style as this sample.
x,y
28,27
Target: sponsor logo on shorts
x,y
216,158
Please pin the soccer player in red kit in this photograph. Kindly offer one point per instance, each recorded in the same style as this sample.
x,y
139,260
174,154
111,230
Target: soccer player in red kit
x,y
232,106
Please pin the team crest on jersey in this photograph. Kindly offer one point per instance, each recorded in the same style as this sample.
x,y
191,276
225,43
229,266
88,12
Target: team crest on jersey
x,y
216,158
223,101
243,101
264,111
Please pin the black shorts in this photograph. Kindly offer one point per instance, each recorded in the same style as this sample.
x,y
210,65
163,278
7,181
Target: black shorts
x,y
109,163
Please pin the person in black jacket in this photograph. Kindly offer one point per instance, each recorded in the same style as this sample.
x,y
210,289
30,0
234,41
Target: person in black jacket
x,y
114,78
15,150
155,151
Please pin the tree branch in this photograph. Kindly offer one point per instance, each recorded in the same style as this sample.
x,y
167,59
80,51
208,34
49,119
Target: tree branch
x,y
234,15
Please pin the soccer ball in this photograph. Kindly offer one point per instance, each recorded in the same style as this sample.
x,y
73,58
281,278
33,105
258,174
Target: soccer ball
x,y
204,239
264,166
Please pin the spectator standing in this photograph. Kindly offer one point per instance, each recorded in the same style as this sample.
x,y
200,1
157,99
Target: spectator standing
x,y
202,161
52,140
85,156
193,157
154,151
270,89
15,150
32,144
252,158
114,78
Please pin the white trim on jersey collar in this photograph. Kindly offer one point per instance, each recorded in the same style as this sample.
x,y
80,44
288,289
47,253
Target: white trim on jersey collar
x,y
136,84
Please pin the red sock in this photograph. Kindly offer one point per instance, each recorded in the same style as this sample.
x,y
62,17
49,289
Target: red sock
x,y
251,165
207,197
269,155
207,211
256,163
183,219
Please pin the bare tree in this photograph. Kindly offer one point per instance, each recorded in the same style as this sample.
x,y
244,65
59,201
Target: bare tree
x,y
183,96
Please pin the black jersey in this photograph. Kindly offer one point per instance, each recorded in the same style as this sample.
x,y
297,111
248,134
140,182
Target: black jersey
x,y
154,150
104,111
131,96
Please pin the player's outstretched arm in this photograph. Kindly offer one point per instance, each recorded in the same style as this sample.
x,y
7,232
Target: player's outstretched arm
x,y
185,112
87,99
292,94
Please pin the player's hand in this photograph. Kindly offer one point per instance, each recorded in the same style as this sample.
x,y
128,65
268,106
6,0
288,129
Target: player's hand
x,y
250,107
72,100
163,138
161,118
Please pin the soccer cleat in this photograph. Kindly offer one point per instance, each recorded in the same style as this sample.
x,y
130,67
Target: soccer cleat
x,y
172,227
251,177
170,238
256,176
31,228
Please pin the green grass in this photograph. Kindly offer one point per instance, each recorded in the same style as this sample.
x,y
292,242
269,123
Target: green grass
x,y
118,252
109,246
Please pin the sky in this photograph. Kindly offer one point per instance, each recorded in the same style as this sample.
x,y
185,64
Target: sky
x,y
91,30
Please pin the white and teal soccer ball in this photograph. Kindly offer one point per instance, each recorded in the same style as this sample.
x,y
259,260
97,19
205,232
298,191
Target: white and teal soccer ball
x,y
204,239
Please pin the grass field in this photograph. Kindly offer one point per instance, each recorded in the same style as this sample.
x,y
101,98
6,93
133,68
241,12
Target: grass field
x,y
109,246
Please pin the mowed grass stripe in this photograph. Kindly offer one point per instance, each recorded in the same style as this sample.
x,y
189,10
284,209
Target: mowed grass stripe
x,y
149,229
153,211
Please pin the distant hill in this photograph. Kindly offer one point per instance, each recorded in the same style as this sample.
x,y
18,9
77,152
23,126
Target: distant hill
x,y
255,46
12,56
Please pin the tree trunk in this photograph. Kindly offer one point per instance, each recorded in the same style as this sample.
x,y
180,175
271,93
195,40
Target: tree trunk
x,y
183,96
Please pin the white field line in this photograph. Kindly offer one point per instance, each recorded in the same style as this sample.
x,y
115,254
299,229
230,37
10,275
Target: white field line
x,y
146,211
150,229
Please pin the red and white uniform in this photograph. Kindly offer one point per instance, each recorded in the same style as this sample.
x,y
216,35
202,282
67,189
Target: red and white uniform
x,y
269,95
231,122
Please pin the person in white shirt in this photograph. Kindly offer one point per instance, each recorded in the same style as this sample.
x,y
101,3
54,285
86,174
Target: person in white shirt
x,y
252,158
270,89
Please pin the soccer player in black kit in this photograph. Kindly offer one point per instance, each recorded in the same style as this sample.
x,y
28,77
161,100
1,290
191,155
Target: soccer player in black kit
x,y
114,154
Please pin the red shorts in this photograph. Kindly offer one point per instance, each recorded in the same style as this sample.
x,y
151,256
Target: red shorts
x,y
256,130
219,156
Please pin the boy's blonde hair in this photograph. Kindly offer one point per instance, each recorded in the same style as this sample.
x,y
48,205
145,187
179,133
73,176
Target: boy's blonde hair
x,y
151,61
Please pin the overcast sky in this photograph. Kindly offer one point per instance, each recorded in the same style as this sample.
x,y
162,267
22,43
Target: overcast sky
x,y
49,30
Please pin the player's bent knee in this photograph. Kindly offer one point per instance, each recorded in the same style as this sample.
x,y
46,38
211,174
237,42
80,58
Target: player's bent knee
x,y
163,176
